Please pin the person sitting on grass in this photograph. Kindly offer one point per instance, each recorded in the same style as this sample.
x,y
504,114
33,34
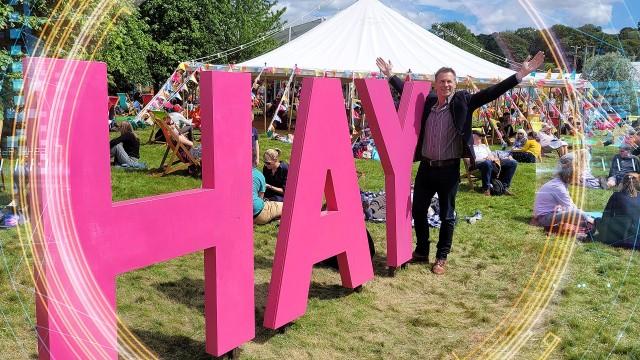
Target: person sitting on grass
x,y
619,223
275,173
520,140
485,160
553,205
125,149
530,151
621,164
263,211
583,158
550,142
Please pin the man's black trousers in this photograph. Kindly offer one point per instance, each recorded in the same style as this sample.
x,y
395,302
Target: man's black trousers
x,y
430,180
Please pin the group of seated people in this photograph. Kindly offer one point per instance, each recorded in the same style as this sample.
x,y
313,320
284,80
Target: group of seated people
x,y
618,226
501,165
268,186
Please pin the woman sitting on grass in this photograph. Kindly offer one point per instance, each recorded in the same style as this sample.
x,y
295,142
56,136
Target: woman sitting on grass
x,y
553,205
125,149
619,224
530,151
275,173
520,140
263,211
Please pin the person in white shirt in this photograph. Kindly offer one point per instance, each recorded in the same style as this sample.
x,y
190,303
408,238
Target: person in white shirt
x,y
550,142
487,162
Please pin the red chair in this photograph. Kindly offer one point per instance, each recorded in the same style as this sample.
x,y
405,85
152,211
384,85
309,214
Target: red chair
x,y
113,100
146,98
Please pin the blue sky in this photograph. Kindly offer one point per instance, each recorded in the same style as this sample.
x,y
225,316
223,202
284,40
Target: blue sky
x,y
487,16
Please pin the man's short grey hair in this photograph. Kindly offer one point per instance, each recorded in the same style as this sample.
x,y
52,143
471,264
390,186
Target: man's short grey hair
x,y
444,70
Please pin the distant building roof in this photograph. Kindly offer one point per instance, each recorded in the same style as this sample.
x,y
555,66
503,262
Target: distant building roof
x,y
292,32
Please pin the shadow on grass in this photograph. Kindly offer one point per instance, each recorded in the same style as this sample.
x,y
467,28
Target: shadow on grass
x,y
186,291
263,262
172,346
5,197
522,219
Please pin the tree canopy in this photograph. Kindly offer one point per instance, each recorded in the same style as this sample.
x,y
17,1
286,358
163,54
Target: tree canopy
x,y
186,30
577,44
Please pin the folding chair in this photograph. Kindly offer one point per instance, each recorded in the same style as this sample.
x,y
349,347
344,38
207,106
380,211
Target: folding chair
x,y
535,123
123,103
493,126
473,175
146,98
180,157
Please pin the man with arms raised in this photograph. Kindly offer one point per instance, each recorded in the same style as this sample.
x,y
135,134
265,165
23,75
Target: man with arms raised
x,y
445,138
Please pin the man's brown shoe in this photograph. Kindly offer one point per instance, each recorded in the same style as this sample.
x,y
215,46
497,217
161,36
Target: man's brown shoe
x,y
509,192
438,267
487,192
419,258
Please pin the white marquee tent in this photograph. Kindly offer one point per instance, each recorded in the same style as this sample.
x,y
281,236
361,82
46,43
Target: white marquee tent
x,y
352,39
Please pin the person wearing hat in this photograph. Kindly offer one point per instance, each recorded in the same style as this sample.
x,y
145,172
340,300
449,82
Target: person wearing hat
x,y
445,137
520,140
550,142
530,151
621,164
485,160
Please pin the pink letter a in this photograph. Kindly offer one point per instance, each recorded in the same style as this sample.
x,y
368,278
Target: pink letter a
x,y
321,162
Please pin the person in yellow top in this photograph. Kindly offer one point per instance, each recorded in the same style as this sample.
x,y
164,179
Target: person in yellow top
x,y
530,151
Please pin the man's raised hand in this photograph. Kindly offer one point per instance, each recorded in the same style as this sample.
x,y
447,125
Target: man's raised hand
x,y
385,67
529,64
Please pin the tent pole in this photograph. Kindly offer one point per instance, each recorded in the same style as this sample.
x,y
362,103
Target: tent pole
x,y
351,109
282,98
264,112
290,96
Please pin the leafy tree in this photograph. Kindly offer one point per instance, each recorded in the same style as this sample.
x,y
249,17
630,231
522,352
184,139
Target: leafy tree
x,y
514,47
5,58
490,44
628,33
459,35
613,67
186,30
7,21
120,38
125,50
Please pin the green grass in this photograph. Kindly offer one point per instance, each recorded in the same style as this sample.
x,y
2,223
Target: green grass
x,y
414,315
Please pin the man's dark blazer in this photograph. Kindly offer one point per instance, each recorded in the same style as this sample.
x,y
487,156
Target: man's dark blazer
x,y
462,106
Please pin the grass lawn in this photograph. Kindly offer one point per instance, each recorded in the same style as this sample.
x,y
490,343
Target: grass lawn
x,y
509,291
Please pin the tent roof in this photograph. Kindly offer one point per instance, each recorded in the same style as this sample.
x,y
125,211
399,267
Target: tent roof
x,y
352,39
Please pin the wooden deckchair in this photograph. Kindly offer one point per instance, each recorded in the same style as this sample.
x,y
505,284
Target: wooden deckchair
x,y
473,175
535,124
180,157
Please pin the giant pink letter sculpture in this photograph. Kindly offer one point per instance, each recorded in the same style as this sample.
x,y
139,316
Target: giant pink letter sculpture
x,y
84,240
395,135
321,163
